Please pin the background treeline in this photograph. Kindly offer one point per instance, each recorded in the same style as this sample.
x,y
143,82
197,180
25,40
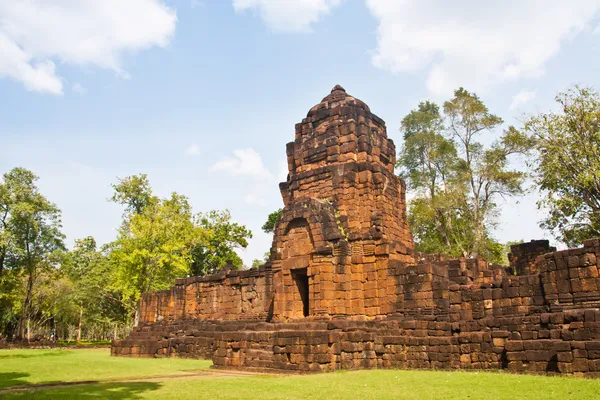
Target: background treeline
x,y
91,292
457,159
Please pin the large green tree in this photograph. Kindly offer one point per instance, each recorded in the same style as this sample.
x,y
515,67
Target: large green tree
x,y
432,169
456,179
161,239
222,237
154,247
30,237
568,164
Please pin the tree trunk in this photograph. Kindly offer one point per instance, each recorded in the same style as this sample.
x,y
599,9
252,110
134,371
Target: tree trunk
x,y
2,257
79,327
24,318
115,336
479,235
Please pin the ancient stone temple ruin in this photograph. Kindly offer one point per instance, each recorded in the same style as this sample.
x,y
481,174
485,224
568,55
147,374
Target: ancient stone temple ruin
x,y
344,289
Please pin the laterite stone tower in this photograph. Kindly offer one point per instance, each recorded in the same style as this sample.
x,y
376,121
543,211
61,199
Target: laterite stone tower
x,y
344,226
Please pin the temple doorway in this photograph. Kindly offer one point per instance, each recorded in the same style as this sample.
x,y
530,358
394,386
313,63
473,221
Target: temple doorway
x,y
300,277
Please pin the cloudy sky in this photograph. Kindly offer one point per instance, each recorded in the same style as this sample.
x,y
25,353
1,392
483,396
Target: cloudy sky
x,y
202,95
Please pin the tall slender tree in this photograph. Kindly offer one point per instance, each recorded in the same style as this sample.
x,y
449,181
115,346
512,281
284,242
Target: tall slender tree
x,y
457,179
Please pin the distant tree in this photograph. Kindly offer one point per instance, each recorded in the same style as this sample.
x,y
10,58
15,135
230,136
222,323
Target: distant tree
x,y
134,192
567,164
257,262
222,237
50,300
271,223
90,272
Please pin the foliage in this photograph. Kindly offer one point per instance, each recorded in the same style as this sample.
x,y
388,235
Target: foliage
x,y
94,300
271,223
257,262
30,237
134,192
568,164
161,239
153,246
91,292
222,237
457,181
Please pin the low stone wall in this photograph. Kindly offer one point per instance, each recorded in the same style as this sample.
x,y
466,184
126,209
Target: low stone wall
x,y
451,314
563,342
226,295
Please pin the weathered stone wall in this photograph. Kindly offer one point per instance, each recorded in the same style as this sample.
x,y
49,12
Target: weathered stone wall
x,y
522,256
547,322
226,295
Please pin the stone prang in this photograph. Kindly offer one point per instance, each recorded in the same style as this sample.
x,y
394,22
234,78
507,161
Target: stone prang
x,y
343,290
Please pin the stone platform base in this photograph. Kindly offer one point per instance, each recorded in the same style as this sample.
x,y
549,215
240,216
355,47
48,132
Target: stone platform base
x,y
565,342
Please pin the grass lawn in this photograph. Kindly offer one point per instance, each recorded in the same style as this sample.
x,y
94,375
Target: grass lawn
x,y
22,367
381,384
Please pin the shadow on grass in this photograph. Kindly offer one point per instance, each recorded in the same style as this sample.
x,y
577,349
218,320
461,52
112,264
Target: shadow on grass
x,y
36,353
12,379
112,390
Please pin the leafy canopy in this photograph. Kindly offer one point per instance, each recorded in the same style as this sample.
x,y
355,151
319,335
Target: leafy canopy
x,y
222,237
456,179
271,222
567,164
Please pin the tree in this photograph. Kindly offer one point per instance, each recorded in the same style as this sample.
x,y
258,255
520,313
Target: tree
x,y
486,171
456,179
223,236
160,240
134,192
431,168
154,246
95,300
30,235
50,300
567,164
257,262
271,223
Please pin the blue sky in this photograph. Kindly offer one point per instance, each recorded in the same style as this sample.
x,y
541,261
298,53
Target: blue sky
x,y
203,95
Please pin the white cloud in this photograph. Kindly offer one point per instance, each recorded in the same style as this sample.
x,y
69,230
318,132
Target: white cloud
x,y
473,45
521,98
288,16
77,88
193,150
34,34
245,162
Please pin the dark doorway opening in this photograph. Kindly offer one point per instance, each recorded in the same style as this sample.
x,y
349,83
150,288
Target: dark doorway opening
x,y
300,277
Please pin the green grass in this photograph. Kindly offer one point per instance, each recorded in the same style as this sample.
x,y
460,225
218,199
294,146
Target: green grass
x,y
22,367
380,384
